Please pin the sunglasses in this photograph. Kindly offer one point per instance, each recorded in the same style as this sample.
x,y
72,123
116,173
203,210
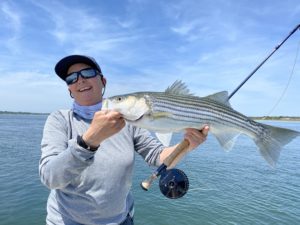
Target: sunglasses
x,y
72,78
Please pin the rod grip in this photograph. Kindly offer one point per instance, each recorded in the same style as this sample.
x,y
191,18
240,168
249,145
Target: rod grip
x,y
180,149
171,160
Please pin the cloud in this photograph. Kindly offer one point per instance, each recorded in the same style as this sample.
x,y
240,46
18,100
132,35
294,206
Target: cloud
x,y
70,23
11,23
125,24
186,28
144,45
86,32
11,16
32,92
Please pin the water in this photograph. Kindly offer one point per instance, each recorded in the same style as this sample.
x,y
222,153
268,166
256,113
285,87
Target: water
x,y
225,188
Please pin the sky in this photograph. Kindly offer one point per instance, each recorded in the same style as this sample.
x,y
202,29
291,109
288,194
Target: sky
x,y
146,45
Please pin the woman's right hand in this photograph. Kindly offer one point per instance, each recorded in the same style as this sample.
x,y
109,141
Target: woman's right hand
x,y
104,124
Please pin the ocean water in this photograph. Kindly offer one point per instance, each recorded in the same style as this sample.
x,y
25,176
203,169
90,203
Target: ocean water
x,y
236,187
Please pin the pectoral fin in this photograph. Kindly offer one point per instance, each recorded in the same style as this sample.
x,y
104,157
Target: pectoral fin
x,y
165,138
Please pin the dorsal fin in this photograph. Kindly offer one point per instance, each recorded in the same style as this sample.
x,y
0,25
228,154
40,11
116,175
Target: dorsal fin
x,y
178,88
220,97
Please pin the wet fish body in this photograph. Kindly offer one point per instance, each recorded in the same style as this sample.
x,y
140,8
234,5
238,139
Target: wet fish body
x,y
176,109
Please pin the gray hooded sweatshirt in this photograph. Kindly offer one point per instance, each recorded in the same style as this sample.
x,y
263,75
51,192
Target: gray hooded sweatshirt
x,y
90,187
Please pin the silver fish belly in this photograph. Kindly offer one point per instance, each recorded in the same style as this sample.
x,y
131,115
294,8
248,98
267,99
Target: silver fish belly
x,y
175,109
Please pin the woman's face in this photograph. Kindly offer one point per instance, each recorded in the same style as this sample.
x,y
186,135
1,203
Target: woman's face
x,y
85,91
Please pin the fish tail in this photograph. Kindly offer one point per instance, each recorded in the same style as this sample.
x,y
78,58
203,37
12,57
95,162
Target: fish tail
x,y
272,140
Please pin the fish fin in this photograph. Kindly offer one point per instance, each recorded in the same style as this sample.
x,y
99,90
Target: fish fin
x,y
225,136
220,97
160,115
178,88
270,145
165,138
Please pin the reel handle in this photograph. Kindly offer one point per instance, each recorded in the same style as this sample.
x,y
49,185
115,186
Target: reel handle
x,y
147,183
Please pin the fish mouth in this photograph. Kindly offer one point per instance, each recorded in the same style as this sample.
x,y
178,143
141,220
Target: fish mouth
x,y
141,117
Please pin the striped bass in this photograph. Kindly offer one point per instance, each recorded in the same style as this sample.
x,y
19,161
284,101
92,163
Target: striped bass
x,y
176,109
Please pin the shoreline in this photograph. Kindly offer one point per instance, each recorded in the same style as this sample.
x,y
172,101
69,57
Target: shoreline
x,y
21,113
272,118
277,118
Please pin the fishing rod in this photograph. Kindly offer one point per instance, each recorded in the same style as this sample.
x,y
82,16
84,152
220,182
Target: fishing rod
x,y
263,62
173,182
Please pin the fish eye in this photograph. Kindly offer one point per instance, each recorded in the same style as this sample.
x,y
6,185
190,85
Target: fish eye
x,y
119,99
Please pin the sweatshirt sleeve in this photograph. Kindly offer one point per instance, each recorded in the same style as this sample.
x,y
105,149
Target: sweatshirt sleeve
x,y
62,160
147,146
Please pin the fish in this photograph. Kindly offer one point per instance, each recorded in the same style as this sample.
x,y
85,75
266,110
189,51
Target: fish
x,y
176,109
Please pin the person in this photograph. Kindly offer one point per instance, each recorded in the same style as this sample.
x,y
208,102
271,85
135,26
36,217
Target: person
x,y
87,154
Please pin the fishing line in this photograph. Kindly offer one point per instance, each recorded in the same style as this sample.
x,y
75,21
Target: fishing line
x,y
263,62
271,197
288,83
174,182
201,185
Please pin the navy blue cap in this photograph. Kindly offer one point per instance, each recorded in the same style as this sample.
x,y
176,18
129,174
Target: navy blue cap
x,y
61,68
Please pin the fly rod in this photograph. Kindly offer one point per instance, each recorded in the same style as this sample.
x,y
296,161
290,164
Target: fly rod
x,y
263,62
182,147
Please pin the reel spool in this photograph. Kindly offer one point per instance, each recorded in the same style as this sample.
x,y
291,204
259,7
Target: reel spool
x,y
173,183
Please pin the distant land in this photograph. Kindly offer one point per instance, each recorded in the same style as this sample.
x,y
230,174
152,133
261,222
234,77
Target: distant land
x,y
280,118
23,113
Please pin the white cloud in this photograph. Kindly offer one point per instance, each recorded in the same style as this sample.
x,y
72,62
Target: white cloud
x,y
211,45
80,31
11,20
186,28
70,23
12,17
30,91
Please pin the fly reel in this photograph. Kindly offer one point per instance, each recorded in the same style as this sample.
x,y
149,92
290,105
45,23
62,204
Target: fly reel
x,y
173,183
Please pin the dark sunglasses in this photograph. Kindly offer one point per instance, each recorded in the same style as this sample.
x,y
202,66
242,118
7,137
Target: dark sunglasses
x,y
72,78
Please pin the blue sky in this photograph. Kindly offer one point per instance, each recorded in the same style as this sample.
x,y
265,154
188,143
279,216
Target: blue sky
x,y
144,45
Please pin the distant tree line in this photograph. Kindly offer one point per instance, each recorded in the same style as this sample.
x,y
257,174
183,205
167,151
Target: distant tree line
x,y
26,113
285,118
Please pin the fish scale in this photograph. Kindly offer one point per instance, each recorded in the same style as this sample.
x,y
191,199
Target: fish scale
x,y
201,111
203,105
176,109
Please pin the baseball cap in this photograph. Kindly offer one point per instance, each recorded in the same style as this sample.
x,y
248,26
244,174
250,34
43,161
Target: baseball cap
x,y
61,68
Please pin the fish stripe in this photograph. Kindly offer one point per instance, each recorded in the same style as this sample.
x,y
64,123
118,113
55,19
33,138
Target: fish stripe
x,y
198,103
201,103
202,109
189,116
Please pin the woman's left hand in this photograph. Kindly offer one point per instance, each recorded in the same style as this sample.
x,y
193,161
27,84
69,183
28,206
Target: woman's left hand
x,y
196,137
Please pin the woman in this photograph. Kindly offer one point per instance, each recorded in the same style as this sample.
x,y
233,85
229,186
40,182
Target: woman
x,y
88,154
